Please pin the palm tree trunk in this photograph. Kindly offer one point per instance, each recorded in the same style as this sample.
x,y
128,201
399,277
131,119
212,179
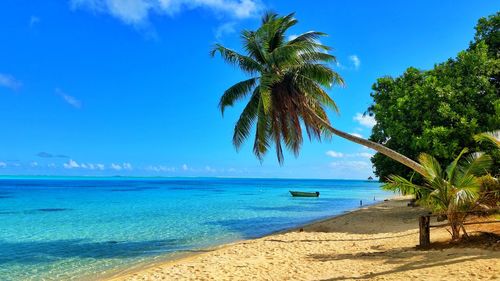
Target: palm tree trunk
x,y
380,148
375,146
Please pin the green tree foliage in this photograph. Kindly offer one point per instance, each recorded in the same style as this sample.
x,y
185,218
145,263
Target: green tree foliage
x,y
488,30
440,110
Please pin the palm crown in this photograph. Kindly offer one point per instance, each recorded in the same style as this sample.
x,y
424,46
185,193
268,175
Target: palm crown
x,y
286,88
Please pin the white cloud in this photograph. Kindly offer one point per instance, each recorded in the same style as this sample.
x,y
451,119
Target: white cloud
x,y
34,164
210,169
224,29
3,164
51,165
365,120
34,20
116,167
160,168
185,167
356,62
127,166
69,99
10,82
334,154
72,164
137,12
123,166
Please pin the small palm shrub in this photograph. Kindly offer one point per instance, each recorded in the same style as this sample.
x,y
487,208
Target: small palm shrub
x,y
452,192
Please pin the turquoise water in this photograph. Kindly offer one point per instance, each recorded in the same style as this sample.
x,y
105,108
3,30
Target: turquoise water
x,y
61,229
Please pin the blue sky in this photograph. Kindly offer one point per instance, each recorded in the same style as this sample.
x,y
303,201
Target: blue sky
x,y
109,87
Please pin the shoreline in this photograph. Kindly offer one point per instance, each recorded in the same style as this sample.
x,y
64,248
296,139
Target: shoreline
x,y
187,254
349,246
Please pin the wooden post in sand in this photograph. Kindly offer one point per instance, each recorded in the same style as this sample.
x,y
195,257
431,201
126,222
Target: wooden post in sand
x,y
424,226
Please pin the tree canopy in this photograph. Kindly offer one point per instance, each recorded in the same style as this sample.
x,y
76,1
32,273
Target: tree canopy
x,y
439,111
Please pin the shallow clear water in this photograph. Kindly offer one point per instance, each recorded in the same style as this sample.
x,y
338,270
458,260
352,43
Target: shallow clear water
x,y
60,229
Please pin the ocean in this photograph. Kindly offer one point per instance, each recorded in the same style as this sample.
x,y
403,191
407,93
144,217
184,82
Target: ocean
x,y
88,228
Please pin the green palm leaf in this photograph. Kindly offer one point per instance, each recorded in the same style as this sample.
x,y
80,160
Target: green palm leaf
x,y
236,92
489,137
431,166
450,170
311,36
475,164
398,183
246,120
245,63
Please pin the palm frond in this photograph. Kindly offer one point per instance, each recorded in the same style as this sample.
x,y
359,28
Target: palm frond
x,y
475,164
400,184
462,199
311,88
245,63
320,74
277,30
317,57
311,36
450,170
246,120
261,142
431,166
489,137
268,17
236,92
254,46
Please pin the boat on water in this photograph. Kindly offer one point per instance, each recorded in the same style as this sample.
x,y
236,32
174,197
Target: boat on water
x,y
304,194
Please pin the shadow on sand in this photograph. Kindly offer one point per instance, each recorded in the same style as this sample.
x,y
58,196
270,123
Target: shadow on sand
x,y
403,260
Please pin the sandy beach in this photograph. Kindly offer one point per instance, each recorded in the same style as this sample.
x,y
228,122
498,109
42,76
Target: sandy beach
x,y
372,243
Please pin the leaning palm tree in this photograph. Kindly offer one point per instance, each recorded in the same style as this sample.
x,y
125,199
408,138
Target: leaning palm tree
x,y
492,138
453,192
286,90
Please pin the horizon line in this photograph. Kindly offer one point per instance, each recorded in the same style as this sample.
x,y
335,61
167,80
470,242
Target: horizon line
x,y
375,179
